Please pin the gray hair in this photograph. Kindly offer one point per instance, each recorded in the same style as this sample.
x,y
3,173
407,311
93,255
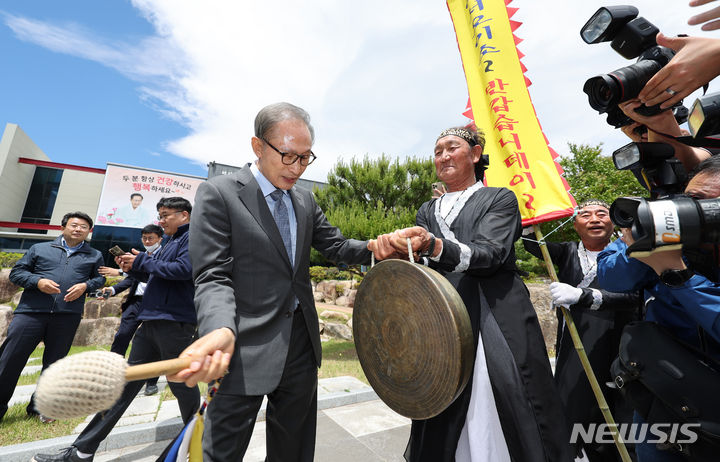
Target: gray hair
x,y
270,115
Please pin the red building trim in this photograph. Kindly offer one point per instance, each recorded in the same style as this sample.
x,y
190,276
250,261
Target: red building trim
x,y
45,163
12,224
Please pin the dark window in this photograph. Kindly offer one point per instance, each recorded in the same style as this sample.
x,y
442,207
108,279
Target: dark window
x,y
41,198
13,244
104,237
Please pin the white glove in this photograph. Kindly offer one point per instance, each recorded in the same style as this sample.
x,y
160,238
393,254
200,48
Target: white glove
x,y
564,294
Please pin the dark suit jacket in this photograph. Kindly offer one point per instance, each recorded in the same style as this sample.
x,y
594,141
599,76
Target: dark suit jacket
x,y
244,280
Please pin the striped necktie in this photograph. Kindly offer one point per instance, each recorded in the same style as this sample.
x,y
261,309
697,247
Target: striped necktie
x,y
280,214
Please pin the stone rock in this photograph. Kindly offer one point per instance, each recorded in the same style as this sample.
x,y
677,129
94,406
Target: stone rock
x,y
351,297
349,323
348,299
328,290
6,315
334,315
340,331
7,288
16,298
321,326
342,287
542,301
96,331
92,308
318,296
110,307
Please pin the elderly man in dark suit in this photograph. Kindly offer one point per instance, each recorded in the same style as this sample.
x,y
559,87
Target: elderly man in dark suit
x,y
250,256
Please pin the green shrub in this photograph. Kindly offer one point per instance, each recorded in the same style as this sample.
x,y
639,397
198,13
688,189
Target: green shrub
x,y
8,259
317,273
112,280
323,273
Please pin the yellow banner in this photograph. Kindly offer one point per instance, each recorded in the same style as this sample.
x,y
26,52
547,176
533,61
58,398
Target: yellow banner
x,y
520,158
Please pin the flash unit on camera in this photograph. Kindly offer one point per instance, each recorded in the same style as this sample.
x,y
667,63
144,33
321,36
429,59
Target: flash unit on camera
x,y
634,155
704,116
606,22
626,157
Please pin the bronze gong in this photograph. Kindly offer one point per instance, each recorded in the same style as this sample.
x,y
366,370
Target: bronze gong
x,y
413,338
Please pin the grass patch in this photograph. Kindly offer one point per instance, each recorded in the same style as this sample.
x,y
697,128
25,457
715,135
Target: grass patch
x,y
340,358
73,350
28,379
18,427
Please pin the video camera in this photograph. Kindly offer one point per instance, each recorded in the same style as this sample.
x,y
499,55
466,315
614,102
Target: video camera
x,y
679,220
632,37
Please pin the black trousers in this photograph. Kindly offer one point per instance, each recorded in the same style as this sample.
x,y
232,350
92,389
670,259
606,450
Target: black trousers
x,y
291,415
129,323
154,341
25,332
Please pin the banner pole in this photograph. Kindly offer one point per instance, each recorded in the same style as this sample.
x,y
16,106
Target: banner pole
x,y
580,349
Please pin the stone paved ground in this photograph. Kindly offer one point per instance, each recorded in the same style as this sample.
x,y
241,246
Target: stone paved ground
x,y
363,432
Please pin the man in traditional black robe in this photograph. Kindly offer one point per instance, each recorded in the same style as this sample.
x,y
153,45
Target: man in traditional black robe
x,y
509,409
599,316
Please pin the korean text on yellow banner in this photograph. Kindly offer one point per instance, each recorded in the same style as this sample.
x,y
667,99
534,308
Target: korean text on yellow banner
x,y
520,157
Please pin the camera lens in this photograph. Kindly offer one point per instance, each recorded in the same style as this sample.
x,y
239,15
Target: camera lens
x,y
603,92
633,78
620,85
710,210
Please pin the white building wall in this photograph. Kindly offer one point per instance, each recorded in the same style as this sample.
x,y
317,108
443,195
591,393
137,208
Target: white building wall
x,y
79,192
15,177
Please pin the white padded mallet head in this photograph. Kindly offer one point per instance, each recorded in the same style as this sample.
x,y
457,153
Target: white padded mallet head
x,y
92,381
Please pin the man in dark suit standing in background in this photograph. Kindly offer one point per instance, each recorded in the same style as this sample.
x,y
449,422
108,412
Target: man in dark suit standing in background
x,y
250,255
152,241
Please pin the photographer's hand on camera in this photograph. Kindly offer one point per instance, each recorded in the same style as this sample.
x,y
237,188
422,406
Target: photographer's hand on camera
x,y
658,126
630,132
696,63
105,292
664,122
660,259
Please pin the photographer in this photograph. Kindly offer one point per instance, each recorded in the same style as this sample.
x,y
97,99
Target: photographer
x,y
683,295
693,299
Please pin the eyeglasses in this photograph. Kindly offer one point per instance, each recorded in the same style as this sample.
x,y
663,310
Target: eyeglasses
x,y
290,158
164,217
77,226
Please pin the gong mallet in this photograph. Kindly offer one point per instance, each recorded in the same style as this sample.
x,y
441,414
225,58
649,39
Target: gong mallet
x,y
580,349
93,381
